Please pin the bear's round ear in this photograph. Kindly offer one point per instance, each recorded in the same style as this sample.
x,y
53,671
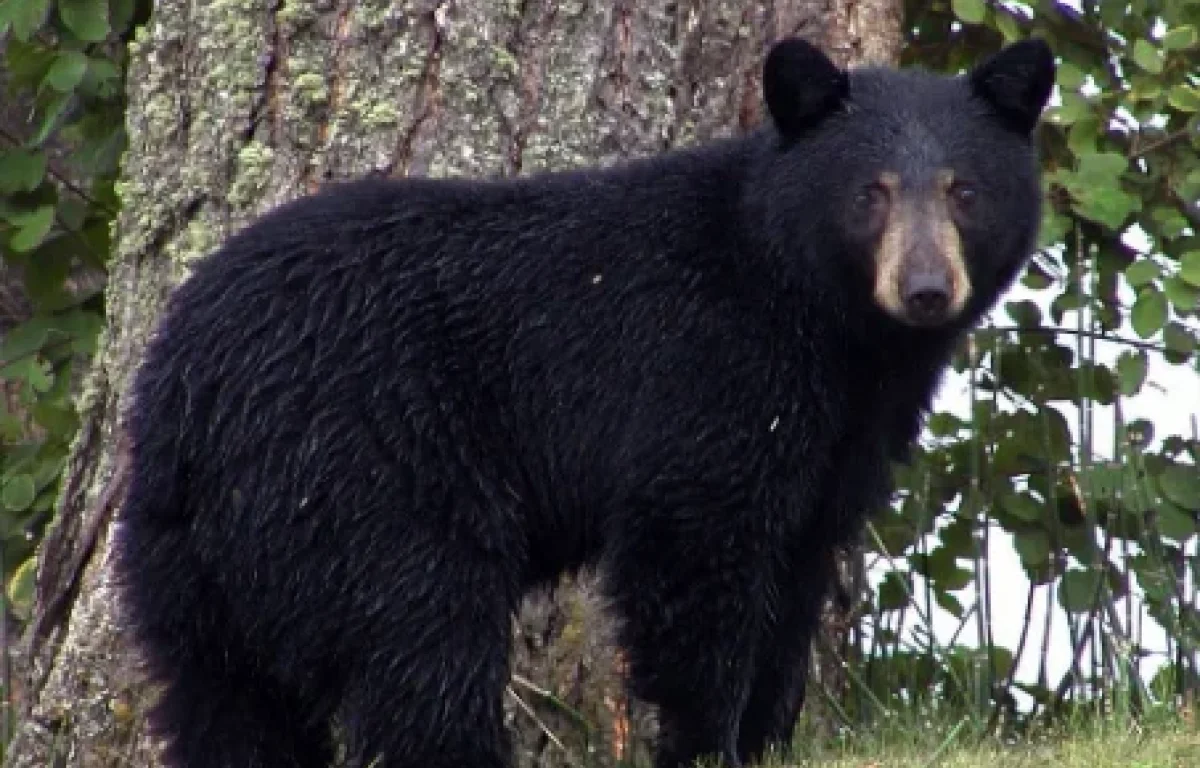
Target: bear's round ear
x,y
1017,82
801,86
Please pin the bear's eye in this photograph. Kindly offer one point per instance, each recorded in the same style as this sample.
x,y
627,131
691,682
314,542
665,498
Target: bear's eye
x,y
963,194
871,197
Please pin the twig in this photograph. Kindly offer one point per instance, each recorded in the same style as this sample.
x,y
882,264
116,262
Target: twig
x,y
1159,143
1138,343
528,710
59,177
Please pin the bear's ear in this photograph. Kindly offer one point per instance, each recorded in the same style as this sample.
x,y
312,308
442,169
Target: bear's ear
x,y
1017,82
801,86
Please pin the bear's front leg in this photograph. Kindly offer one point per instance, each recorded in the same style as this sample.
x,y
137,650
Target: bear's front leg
x,y
777,694
690,587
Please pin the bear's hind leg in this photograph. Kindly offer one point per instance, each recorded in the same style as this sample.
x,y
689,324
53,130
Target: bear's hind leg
x,y
692,606
209,722
430,669
215,705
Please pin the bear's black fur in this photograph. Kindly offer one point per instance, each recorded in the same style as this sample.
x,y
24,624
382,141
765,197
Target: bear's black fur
x,y
379,416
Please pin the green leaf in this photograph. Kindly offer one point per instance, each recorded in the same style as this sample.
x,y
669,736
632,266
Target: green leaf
x,y
1002,661
958,538
1180,343
1035,278
942,424
1051,435
969,11
949,603
1189,268
1008,28
26,63
1072,108
103,69
1033,546
1147,57
1025,313
30,370
1182,296
1180,483
1180,38
1170,223
1167,680
101,81
1021,506
1054,228
66,72
1107,205
953,579
1152,577
1077,590
24,339
1184,98
32,229
1141,272
54,110
1082,136
121,14
25,16
1143,88
1149,312
1101,167
82,327
941,567
18,493
1174,523
1112,14
894,590
1096,382
1105,481
1070,76
40,375
1131,371
88,19
21,171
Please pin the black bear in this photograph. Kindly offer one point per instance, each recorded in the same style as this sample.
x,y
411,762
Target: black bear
x,y
377,417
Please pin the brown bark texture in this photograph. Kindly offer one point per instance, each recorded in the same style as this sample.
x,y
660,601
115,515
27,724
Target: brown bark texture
x,y
236,106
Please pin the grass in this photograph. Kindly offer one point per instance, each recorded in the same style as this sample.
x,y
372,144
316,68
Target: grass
x,y
1166,742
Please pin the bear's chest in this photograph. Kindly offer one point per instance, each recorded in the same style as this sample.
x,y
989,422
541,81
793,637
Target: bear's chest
x,y
877,416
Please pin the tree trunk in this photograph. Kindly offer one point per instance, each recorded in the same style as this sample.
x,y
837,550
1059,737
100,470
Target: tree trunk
x,y
237,106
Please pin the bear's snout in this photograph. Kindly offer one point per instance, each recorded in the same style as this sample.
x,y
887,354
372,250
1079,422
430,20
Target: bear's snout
x,y
921,275
926,295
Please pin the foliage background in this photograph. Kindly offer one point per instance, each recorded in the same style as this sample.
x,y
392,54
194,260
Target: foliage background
x,y
1104,528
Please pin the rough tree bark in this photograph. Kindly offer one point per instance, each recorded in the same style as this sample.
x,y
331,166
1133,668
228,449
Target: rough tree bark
x,y
238,105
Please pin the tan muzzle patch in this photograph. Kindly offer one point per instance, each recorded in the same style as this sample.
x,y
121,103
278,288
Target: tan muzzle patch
x,y
920,275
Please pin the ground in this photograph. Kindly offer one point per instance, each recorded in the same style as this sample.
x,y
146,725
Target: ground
x,y
1168,741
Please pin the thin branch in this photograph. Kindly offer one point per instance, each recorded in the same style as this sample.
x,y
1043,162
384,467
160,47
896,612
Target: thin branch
x,y
1137,343
1136,152
59,176
543,727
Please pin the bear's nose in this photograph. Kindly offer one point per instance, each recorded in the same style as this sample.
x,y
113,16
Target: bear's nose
x,y
927,297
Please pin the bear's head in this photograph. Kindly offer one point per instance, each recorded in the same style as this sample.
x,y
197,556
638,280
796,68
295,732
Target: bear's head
x,y
922,191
